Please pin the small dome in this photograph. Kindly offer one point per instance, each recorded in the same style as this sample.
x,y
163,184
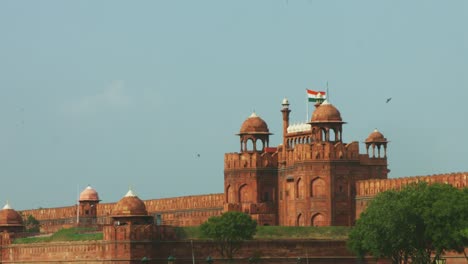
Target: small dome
x,y
285,101
130,205
89,194
254,125
326,112
376,136
9,217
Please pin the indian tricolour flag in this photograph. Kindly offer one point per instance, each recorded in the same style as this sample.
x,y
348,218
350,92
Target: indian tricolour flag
x,y
313,96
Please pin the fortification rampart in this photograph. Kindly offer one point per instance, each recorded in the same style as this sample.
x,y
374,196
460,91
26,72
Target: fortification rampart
x,y
132,252
51,213
374,186
367,189
125,252
180,211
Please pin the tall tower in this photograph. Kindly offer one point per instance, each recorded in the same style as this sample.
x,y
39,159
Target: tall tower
x,y
318,171
285,111
250,176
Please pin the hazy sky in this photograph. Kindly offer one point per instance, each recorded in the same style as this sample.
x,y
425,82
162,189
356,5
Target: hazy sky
x,y
119,93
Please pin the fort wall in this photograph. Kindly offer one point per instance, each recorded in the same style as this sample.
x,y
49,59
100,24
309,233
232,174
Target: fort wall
x,y
122,252
367,189
157,251
179,211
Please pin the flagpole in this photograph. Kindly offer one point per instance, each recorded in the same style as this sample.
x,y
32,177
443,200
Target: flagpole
x,y
78,205
328,95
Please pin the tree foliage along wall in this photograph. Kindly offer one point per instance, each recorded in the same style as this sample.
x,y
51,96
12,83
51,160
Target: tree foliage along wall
x,y
408,226
32,224
229,231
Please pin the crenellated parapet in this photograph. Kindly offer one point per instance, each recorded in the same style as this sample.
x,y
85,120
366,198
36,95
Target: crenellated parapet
x,y
251,208
250,160
375,186
185,203
322,151
51,213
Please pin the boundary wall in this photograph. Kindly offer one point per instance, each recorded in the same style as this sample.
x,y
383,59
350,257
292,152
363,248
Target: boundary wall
x,y
179,211
366,190
91,252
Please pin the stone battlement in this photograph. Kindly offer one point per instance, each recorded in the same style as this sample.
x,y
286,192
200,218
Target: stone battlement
x,y
250,160
322,151
374,186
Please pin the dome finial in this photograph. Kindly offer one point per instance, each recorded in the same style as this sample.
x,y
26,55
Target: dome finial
x,y
7,205
130,192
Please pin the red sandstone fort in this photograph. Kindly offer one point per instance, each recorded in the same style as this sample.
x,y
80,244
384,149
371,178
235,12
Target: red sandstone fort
x,y
312,179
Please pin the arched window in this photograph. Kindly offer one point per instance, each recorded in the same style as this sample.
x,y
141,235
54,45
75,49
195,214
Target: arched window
x,y
259,144
250,145
331,135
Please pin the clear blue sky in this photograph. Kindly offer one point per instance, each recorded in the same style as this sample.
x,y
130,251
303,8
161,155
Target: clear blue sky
x,y
119,93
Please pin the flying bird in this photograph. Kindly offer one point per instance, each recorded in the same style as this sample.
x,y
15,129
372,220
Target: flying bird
x,y
198,155
388,100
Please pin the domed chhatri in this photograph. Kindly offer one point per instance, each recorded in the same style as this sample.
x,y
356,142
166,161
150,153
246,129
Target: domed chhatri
x,y
130,205
326,112
89,194
10,218
254,125
375,142
376,136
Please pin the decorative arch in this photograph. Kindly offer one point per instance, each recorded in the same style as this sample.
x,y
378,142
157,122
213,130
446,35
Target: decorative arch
x,y
318,219
317,188
300,220
245,194
230,194
323,134
299,190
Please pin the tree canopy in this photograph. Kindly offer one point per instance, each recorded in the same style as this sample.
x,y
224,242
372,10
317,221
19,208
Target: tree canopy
x,y
410,225
229,231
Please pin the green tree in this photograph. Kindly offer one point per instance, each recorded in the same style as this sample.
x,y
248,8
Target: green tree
x,y
410,225
229,231
32,224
